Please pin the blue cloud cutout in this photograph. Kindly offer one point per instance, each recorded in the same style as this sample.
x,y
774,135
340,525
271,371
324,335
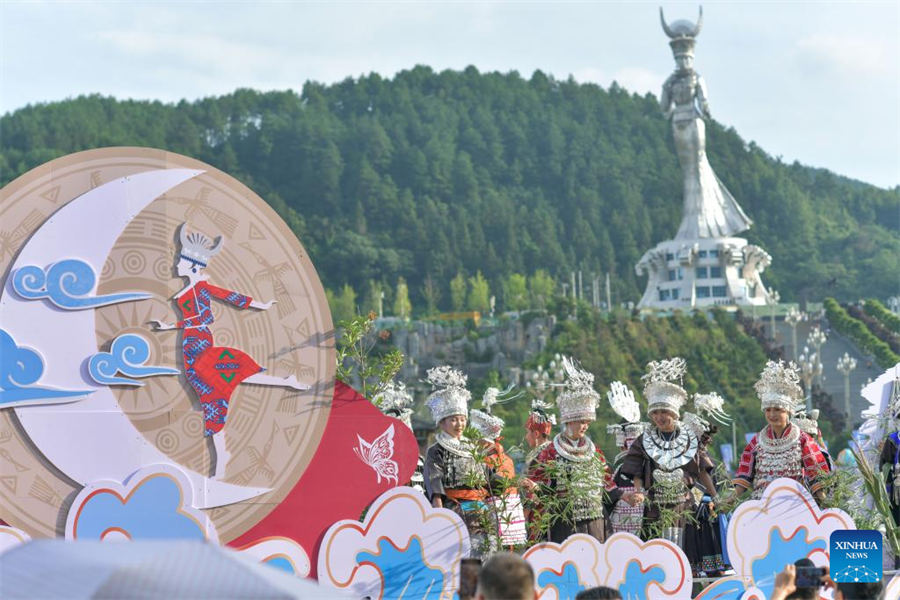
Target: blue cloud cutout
x,y
637,582
151,511
782,552
404,572
567,584
66,284
20,367
127,356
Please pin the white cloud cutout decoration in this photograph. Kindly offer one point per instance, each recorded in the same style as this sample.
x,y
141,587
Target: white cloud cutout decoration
x,y
403,548
784,525
654,569
155,502
281,553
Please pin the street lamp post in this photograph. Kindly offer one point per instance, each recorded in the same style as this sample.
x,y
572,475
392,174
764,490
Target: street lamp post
x,y
772,300
817,339
809,368
793,318
845,364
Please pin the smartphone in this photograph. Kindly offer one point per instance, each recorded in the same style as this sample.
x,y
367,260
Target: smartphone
x,y
468,577
809,577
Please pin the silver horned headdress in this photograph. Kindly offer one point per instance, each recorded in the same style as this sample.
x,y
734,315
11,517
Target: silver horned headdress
x,y
395,401
197,247
660,387
682,33
450,396
779,386
578,400
622,401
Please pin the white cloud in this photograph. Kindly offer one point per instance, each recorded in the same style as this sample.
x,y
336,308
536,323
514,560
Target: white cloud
x,y
850,55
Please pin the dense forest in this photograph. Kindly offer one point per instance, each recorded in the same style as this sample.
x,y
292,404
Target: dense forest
x,y
434,176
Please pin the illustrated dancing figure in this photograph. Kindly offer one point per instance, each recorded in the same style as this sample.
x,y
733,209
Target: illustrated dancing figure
x,y
213,371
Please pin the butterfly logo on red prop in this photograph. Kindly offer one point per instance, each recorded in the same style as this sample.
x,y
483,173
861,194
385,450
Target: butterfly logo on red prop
x,y
378,455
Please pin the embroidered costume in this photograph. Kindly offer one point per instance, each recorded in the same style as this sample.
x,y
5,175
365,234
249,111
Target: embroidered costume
x,y
213,371
794,454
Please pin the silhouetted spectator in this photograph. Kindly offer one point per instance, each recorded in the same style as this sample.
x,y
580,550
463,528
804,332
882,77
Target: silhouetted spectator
x,y
599,593
506,576
849,590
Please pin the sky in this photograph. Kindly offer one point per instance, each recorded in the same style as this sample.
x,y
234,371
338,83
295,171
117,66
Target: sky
x,y
815,82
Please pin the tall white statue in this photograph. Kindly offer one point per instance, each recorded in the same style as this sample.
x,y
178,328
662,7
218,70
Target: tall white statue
x,y
710,211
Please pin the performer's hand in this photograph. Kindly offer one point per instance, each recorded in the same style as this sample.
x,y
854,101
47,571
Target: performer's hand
x,y
637,498
263,305
162,325
528,484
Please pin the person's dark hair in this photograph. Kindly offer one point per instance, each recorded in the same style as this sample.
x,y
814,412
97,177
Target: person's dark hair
x,y
506,576
599,593
853,590
804,593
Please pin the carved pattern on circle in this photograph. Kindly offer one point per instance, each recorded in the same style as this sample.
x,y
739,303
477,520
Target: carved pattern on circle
x,y
167,441
162,267
192,425
134,262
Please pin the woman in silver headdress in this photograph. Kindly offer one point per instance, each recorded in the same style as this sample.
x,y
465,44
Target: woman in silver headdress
x,y
782,448
575,480
666,461
455,476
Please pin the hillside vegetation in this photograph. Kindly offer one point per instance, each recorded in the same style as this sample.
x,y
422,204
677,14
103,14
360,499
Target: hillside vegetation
x,y
428,176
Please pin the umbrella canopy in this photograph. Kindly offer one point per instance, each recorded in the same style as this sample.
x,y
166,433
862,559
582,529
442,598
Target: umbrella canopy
x,y
144,569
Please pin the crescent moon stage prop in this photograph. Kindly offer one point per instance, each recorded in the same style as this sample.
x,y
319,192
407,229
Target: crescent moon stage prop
x,y
89,438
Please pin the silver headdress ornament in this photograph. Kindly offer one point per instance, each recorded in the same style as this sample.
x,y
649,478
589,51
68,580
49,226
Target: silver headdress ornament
x,y
779,386
682,33
708,406
712,405
622,401
197,247
808,421
578,400
660,389
540,412
450,396
489,425
395,401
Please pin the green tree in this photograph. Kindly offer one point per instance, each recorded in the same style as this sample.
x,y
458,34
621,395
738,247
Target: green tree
x,y
342,304
541,286
431,294
479,294
402,305
458,292
515,292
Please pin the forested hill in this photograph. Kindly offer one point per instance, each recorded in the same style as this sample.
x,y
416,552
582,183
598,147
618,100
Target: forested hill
x,y
431,174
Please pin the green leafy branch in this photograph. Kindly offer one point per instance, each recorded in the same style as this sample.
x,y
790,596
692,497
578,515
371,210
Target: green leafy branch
x,y
357,362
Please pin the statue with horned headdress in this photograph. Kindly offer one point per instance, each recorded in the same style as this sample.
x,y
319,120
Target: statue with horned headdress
x,y
710,211
213,371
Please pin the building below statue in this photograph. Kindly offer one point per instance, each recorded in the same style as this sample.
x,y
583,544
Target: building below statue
x,y
703,272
